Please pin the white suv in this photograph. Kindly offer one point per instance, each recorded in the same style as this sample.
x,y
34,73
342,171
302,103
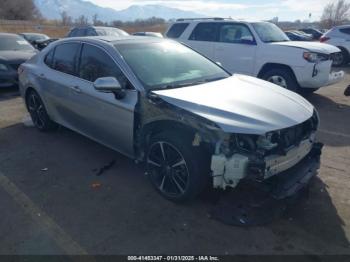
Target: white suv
x,y
339,36
259,49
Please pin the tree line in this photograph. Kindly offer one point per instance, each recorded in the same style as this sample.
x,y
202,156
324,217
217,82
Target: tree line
x,y
19,10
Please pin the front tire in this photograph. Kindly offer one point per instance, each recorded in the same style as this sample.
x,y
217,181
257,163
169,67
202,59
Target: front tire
x,y
341,58
38,112
176,169
281,77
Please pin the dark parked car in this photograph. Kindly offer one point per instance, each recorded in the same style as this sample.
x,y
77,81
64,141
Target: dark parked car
x,y
151,34
297,37
316,34
96,31
41,44
14,50
33,37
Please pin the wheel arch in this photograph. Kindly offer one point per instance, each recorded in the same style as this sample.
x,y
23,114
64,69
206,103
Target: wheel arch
x,y
344,49
158,126
269,66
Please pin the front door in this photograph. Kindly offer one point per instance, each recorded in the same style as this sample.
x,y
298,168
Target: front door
x,y
99,115
236,48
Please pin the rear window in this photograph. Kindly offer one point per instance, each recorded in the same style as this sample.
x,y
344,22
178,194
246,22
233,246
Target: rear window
x,y
176,30
205,32
14,43
49,58
345,30
65,58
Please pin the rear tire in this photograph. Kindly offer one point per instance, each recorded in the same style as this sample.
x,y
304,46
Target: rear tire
x,y
38,112
176,169
281,77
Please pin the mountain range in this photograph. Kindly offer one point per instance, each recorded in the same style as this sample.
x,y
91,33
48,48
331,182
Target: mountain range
x,y
52,9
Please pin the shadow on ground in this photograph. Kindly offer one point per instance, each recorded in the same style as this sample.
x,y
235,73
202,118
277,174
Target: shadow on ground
x,y
8,93
124,215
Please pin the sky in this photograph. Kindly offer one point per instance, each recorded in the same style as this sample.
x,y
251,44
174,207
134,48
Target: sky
x,y
285,10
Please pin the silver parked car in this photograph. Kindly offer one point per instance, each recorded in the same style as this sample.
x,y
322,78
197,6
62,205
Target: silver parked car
x,y
188,119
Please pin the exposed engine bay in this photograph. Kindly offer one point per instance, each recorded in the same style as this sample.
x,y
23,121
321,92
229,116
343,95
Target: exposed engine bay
x,y
260,157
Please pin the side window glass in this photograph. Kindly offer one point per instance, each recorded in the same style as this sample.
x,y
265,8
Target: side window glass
x,y
90,32
49,58
65,58
235,33
95,63
73,33
205,32
81,32
345,31
176,30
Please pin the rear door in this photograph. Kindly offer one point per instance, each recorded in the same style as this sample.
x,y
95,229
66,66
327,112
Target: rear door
x,y
235,48
345,38
102,116
58,79
203,38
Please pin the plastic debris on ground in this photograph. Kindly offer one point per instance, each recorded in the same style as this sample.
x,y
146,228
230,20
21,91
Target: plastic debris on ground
x,y
250,206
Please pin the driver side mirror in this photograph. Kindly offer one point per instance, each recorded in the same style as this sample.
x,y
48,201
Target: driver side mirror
x,y
109,85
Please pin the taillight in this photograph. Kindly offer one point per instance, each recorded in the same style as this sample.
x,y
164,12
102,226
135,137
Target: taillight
x,y
20,70
324,39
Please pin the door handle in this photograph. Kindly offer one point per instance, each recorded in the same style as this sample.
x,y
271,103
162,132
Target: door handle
x,y
76,89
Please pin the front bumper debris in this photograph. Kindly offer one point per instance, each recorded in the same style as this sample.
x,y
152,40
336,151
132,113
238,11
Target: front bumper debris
x,y
296,178
229,172
255,203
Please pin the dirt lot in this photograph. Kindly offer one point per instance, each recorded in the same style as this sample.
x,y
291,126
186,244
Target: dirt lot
x,y
52,201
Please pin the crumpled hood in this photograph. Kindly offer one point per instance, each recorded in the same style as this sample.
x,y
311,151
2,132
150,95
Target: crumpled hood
x,y
310,46
242,104
16,56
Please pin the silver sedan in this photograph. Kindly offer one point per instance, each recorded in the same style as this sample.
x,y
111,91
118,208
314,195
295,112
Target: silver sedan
x,y
189,120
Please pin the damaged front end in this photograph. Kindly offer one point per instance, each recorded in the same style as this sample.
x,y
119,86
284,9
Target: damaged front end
x,y
284,160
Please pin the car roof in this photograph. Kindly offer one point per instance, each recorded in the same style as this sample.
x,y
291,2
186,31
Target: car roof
x,y
95,27
31,34
216,19
342,26
115,39
8,34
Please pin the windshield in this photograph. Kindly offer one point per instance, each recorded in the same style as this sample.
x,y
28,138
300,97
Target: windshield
x,y
111,32
165,65
14,43
269,32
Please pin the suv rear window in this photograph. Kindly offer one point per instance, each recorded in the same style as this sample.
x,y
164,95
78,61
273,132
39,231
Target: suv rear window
x,y
205,32
176,30
345,30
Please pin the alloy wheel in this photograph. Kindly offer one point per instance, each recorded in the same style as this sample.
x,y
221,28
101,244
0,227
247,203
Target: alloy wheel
x,y
167,169
338,59
36,110
278,80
